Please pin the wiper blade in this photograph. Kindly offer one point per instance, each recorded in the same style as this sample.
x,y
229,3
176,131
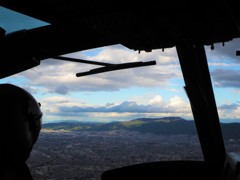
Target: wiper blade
x,y
115,67
107,66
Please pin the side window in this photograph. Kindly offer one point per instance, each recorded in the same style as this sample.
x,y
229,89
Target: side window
x,y
224,67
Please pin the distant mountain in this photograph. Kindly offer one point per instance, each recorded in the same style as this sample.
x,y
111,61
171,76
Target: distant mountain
x,y
165,126
231,130
168,125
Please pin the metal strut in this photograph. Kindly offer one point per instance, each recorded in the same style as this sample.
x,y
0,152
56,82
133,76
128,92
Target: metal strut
x,y
196,75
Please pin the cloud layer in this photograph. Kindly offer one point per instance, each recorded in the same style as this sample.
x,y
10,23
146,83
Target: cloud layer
x,y
74,109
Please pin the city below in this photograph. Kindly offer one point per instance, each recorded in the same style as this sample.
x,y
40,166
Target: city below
x,y
61,153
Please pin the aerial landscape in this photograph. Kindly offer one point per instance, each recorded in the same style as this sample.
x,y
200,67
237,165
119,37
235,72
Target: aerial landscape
x,y
75,150
116,84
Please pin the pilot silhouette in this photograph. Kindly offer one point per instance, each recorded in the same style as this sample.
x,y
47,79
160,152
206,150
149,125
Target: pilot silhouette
x,y
20,125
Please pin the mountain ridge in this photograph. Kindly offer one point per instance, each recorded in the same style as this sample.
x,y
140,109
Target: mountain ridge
x,y
165,126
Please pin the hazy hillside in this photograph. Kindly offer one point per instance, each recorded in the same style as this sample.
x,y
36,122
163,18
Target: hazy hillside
x,y
166,126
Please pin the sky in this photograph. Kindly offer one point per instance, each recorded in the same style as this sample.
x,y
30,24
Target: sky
x,y
151,91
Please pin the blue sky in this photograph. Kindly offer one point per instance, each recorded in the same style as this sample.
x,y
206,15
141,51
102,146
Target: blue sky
x,y
152,91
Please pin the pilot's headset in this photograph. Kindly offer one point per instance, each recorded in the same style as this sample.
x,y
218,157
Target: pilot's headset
x,y
20,123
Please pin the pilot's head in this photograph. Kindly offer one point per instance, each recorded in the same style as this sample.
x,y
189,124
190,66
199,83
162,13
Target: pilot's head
x,y
20,123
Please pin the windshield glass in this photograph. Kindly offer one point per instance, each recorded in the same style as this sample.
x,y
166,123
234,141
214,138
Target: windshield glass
x,y
12,21
109,120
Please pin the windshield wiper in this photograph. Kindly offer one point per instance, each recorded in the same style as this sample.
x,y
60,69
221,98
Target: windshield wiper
x,y
107,66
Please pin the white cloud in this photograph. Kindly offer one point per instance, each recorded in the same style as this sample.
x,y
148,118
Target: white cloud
x,y
157,100
177,101
229,111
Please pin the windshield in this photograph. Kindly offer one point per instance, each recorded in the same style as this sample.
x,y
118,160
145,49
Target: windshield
x,y
109,120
